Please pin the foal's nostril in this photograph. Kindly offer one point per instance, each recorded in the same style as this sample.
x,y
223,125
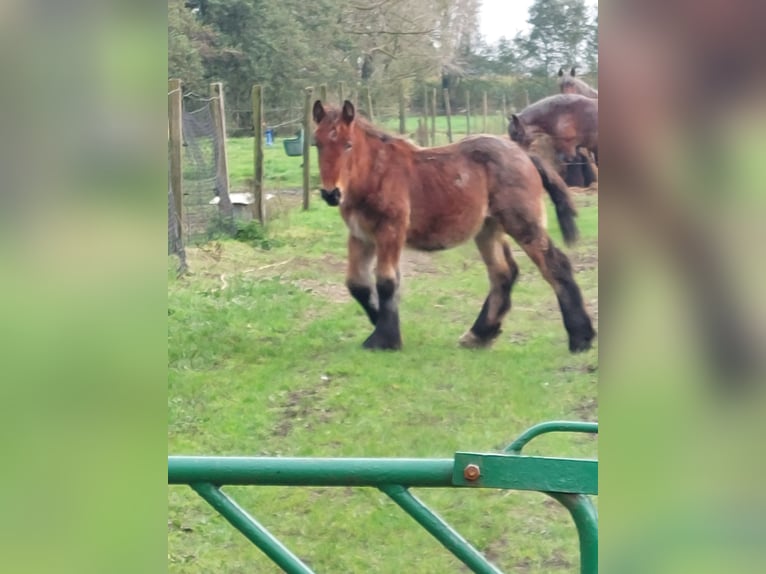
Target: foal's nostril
x,y
331,197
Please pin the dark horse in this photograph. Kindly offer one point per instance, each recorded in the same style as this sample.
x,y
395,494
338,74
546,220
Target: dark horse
x,y
570,120
392,193
569,84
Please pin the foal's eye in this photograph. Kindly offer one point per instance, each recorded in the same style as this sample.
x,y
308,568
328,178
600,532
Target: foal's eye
x,y
347,146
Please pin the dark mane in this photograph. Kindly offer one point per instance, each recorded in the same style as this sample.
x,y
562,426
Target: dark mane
x,y
364,124
375,132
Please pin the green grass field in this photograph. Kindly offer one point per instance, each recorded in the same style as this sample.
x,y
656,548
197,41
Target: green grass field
x,y
265,358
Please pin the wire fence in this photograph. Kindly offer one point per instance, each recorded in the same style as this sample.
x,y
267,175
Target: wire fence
x,y
204,187
419,116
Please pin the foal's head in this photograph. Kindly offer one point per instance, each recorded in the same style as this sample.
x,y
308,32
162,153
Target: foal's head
x,y
333,137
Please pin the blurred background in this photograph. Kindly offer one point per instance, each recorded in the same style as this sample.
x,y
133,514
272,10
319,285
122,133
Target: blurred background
x,y
83,287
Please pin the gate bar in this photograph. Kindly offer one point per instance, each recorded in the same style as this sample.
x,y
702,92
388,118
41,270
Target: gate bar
x,y
394,476
546,427
584,514
440,530
286,471
239,518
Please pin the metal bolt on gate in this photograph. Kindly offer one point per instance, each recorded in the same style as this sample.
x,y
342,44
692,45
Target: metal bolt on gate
x,y
569,481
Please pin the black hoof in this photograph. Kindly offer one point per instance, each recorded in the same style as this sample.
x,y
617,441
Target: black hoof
x,y
469,340
376,341
581,343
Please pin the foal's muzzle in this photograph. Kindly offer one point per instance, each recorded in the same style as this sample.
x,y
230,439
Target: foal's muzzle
x,y
331,197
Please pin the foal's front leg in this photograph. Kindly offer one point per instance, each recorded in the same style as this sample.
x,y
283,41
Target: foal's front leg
x,y
387,334
359,278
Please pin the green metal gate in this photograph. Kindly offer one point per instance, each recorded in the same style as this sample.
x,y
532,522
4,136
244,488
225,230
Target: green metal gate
x,y
569,481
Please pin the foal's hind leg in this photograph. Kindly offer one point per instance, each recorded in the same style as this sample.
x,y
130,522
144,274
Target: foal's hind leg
x,y
359,278
557,270
502,271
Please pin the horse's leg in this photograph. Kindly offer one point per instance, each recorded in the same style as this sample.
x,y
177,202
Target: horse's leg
x,y
573,174
557,270
502,271
387,279
359,276
587,170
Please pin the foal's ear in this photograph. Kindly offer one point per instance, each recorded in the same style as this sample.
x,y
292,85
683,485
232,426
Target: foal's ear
x,y
561,72
318,111
348,112
516,122
572,71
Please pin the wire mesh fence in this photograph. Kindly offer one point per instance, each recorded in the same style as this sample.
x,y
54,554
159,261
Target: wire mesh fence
x,y
420,115
203,186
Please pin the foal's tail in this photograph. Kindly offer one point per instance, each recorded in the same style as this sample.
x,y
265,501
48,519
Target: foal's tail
x,y
557,189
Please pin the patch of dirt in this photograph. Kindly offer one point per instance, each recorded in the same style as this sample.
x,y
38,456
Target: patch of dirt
x,y
329,263
497,549
579,369
333,288
584,261
332,292
174,525
517,337
301,406
588,410
592,307
414,263
586,191
523,565
558,562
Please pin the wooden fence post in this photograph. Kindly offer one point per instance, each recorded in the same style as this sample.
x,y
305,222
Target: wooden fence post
x,y
433,117
307,118
467,111
421,133
369,104
341,93
222,165
425,113
448,111
322,93
484,112
402,113
175,99
505,108
259,211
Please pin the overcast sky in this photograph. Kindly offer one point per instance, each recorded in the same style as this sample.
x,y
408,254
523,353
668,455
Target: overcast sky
x,y
506,17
